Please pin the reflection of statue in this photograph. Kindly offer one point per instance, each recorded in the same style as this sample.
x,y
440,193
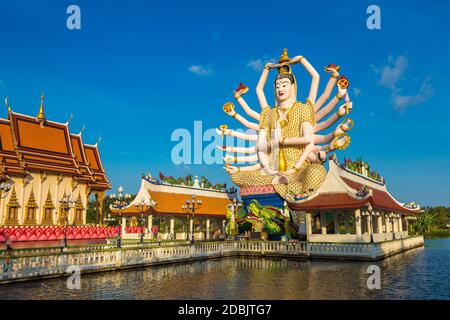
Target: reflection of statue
x,y
289,151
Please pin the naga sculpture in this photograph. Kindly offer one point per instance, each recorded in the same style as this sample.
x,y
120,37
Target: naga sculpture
x,y
290,144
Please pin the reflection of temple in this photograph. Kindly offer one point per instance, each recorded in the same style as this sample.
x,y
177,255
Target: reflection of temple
x,y
174,208
353,207
42,163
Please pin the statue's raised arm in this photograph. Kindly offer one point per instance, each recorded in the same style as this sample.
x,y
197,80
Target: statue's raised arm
x,y
314,75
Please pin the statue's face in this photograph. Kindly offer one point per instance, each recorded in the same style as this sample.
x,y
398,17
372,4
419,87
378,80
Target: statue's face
x,y
283,89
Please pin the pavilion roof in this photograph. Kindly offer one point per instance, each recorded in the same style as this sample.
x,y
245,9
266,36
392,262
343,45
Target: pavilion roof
x,y
342,190
166,199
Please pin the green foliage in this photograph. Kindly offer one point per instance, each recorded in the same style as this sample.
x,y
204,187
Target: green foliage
x,y
441,216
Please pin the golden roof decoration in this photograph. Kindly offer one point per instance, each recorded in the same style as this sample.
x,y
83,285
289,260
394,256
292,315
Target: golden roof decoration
x,y
32,201
13,202
41,116
79,203
49,202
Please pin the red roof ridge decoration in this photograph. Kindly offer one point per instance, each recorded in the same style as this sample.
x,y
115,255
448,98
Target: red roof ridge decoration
x,y
342,190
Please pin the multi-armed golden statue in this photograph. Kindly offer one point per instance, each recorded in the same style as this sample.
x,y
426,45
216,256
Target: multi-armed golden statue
x,y
289,150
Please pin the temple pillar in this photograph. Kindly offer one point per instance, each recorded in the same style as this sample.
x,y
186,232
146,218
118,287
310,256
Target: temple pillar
x,y
323,226
368,222
191,228
400,224
379,223
386,224
224,226
346,223
336,223
123,226
407,225
308,224
150,225
172,227
358,222
208,225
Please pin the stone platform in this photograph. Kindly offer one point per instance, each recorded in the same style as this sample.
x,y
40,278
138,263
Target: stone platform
x,y
29,264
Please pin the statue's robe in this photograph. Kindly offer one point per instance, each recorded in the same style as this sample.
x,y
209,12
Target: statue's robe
x,y
304,181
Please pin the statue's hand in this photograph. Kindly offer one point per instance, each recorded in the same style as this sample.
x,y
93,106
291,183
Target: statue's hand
x,y
347,107
342,91
295,60
231,169
269,66
228,159
223,131
333,69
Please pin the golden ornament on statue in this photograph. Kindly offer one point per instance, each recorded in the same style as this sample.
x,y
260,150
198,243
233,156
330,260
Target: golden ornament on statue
x,y
343,82
228,107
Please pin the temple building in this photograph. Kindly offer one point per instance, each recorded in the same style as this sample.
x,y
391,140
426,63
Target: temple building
x,y
176,208
354,205
47,174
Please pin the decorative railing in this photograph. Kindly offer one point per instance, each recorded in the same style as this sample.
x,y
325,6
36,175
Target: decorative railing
x,y
44,262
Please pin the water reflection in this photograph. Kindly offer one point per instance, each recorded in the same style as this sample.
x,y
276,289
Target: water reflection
x,y
416,274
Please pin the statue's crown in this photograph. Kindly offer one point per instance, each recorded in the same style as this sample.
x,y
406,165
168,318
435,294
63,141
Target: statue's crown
x,y
284,58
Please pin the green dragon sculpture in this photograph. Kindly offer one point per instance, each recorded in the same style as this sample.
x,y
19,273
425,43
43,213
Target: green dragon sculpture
x,y
272,218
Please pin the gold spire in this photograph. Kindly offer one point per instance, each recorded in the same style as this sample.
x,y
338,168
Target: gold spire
x,y
7,105
284,56
41,116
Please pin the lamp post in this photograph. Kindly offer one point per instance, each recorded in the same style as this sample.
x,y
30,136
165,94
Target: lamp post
x,y
140,205
190,207
234,207
67,203
119,202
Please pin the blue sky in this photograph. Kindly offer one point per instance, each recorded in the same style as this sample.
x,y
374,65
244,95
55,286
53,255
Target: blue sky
x,y
137,70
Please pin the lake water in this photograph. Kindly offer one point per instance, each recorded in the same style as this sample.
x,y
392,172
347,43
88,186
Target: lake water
x,y
422,273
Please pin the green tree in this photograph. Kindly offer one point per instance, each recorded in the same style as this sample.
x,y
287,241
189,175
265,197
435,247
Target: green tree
x,y
425,222
441,216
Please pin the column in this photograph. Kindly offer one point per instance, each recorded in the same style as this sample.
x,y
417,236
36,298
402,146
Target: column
x,y
308,224
379,223
358,222
150,225
224,225
123,225
323,226
208,223
191,228
400,224
347,230
172,228
407,225
368,222
336,223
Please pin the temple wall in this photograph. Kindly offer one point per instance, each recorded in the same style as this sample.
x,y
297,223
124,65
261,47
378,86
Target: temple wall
x,y
40,185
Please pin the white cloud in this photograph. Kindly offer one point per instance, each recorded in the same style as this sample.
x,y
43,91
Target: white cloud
x,y
201,70
401,102
258,64
392,76
356,91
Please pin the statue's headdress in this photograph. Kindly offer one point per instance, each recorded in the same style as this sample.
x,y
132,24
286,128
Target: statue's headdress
x,y
286,69
286,72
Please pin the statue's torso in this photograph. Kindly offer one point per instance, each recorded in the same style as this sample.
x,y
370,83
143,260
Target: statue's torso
x,y
298,114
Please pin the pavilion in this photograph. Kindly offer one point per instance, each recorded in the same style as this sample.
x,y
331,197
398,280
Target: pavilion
x,y
352,206
178,208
